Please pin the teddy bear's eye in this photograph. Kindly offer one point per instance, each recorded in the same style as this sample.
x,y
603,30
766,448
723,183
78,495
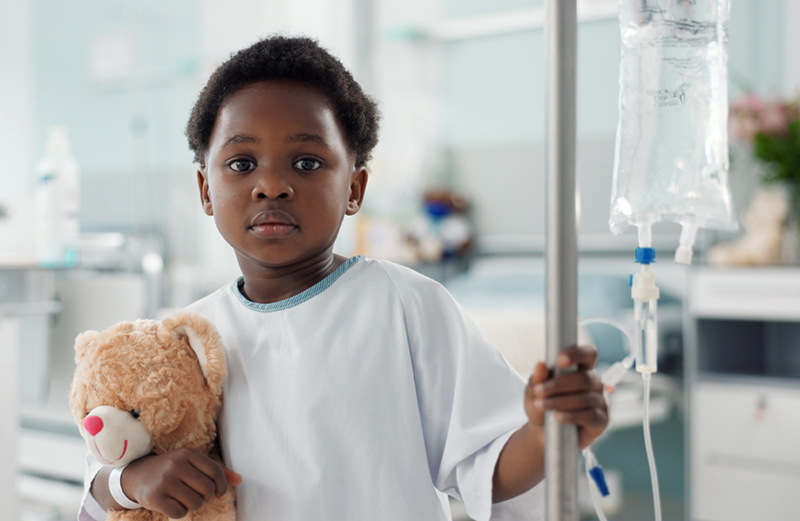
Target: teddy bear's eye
x,y
135,413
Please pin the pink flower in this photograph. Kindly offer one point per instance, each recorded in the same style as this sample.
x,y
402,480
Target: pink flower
x,y
749,102
774,118
744,118
750,115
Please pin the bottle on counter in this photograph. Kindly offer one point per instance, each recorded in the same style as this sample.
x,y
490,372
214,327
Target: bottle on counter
x,y
56,203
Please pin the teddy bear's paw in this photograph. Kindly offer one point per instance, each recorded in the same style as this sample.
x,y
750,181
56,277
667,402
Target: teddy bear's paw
x,y
140,514
217,509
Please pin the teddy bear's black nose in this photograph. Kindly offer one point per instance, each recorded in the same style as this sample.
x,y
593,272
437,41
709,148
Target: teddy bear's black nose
x,y
93,425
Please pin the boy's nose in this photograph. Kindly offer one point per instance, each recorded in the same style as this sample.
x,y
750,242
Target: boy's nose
x,y
273,186
93,425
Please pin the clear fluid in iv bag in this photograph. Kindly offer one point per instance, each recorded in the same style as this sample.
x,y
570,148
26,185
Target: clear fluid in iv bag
x,y
672,144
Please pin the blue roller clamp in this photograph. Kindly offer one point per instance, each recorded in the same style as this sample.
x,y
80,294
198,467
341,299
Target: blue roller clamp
x,y
600,479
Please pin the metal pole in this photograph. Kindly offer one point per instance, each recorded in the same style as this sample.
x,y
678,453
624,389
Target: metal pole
x,y
561,449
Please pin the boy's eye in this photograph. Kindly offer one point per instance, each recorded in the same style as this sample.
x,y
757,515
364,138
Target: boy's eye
x,y
307,164
242,165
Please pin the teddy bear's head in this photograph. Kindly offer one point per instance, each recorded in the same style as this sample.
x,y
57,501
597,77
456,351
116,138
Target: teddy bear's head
x,y
148,386
767,211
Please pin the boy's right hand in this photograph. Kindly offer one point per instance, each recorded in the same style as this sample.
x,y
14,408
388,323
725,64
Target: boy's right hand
x,y
177,482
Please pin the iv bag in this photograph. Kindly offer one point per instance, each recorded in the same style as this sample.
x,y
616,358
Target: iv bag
x,y
671,162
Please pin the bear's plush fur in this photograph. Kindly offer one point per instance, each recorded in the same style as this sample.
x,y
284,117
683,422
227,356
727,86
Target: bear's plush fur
x,y
151,387
761,243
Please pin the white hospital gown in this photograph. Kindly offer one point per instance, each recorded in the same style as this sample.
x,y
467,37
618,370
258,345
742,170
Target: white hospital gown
x,y
369,396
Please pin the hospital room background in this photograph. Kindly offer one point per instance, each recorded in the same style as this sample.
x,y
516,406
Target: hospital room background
x,y
456,191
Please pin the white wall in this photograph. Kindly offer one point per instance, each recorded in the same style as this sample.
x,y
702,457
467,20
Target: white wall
x,y
332,22
15,96
16,155
791,47
408,86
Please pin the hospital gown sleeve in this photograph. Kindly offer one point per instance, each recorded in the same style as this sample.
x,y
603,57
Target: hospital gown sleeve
x,y
470,399
90,509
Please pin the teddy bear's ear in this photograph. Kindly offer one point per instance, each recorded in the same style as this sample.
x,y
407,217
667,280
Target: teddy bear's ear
x,y
85,343
204,340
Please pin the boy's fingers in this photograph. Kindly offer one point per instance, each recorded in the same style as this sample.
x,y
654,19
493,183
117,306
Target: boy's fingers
x,y
212,469
234,478
587,418
540,373
535,412
585,357
573,402
173,508
579,381
200,484
533,409
189,497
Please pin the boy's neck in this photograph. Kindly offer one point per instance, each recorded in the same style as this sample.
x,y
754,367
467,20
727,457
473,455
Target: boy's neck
x,y
267,285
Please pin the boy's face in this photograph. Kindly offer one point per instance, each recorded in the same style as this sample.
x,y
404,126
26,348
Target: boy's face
x,y
279,177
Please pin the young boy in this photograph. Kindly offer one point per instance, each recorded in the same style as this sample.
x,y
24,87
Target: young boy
x,y
357,389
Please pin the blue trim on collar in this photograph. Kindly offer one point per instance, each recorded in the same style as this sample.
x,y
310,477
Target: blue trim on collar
x,y
291,302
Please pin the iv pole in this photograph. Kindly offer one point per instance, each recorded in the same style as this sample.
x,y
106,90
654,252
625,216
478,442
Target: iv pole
x,y
561,253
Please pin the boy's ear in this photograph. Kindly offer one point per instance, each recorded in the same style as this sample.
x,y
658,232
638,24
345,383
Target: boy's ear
x,y
358,185
205,199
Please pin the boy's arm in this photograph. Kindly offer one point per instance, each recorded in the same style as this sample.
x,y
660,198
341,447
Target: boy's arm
x,y
576,397
173,483
520,466
100,491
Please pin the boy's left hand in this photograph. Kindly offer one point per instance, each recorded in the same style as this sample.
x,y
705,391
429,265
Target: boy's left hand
x,y
576,397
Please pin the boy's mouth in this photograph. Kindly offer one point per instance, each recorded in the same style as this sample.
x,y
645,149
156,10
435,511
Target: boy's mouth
x,y
273,224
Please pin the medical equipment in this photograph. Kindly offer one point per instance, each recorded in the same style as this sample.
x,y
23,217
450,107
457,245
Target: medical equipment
x,y
671,165
645,295
643,351
611,377
671,162
594,472
561,257
56,203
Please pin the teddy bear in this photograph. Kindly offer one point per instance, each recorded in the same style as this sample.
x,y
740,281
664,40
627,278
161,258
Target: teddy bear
x,y
147,387
760,245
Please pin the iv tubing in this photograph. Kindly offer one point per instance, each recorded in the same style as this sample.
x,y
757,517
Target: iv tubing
x,y
609,322
595,497
648,444
613,374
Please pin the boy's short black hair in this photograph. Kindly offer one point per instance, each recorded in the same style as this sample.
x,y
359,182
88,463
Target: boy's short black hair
x,y
284,58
